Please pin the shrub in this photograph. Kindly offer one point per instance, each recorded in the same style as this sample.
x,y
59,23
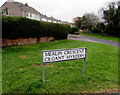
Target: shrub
x,y
73,30
20,27
87,31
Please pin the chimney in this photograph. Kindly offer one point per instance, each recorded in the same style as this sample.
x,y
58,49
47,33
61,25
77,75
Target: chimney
x,y
26,4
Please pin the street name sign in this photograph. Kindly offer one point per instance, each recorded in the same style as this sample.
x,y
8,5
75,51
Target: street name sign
x,y
50,56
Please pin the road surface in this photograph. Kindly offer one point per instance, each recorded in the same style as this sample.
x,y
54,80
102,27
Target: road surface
x,y
92,39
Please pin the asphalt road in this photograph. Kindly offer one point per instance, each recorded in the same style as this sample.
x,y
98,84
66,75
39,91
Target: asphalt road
x,y
92,39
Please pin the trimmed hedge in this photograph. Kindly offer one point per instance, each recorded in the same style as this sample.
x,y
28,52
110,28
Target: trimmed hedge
x,y
73,29
20,27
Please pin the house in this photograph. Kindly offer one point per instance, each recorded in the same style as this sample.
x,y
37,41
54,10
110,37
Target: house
x,y
55,20
50,19
47,19
13,8
43,17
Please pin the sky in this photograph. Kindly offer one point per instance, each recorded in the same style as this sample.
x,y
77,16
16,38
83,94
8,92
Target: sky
x,y
65,10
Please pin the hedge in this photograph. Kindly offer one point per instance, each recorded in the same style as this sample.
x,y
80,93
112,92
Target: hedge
x,y
73,29
21,27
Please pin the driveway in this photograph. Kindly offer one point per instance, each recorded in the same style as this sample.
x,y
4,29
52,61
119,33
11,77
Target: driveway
x,y
92,39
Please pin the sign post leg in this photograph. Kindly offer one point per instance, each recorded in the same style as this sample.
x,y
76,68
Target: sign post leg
x,y
43,73
83,70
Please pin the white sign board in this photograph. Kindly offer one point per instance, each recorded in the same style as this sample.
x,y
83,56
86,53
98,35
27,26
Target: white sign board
x,y
51,56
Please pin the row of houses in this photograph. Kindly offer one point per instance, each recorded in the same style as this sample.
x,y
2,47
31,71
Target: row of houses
x,y
13,8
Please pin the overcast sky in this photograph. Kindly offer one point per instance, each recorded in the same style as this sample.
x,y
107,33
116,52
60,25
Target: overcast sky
x,y
65,10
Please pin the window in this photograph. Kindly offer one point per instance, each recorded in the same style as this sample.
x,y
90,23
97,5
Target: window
x,y
27,15
30,15
6,11
3,12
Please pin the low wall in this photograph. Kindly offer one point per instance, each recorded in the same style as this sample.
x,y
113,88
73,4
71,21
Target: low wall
x,y
72,36
21,41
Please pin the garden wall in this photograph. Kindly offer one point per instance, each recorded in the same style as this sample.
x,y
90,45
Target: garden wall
x,y
23,41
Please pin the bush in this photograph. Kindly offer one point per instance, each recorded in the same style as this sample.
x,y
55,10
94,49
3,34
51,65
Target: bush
x,y
73,30
20,27
87,31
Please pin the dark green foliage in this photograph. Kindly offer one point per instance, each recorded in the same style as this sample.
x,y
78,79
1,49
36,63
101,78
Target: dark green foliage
x,y
78,22
87,21
19,27
112,18
73,30
87,31
111,25
99,29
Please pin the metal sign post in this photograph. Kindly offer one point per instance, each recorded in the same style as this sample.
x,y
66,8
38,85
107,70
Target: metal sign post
x,y
83,70
51,56
43,73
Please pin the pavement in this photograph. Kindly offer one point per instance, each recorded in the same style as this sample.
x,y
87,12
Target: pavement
x,y
92,39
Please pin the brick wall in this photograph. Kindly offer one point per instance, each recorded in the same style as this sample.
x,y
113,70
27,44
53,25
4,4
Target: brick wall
x,y
20,41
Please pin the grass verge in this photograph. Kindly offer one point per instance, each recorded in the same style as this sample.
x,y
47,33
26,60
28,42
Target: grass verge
x,y
22,71
102,37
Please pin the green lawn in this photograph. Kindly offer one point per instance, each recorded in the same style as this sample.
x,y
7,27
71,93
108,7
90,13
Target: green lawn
x,y
102,37
0,70
22,71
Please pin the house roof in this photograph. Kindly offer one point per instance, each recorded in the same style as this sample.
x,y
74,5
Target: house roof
x,y
25,7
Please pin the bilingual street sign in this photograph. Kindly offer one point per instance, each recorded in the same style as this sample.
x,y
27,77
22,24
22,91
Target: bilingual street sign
x,y
51,56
